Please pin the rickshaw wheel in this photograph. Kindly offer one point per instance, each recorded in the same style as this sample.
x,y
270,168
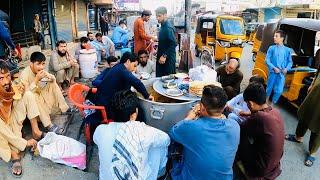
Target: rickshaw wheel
x,y
254,57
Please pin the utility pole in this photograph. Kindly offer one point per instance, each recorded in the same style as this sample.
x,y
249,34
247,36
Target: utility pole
x,y
186,57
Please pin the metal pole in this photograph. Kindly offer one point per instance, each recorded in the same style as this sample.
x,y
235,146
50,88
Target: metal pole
x,y
188,20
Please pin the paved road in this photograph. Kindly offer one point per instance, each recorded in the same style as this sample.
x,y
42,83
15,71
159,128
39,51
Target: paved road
x,y
292,161
294,154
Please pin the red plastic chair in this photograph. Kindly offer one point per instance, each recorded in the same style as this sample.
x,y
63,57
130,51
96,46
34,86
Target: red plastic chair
x,y
76,95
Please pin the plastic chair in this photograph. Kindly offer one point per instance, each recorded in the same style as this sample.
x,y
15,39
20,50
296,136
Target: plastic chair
x,y
76,95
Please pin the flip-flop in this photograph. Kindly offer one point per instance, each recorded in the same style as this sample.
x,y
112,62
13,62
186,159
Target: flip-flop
x,y
292,138
16,167
309,160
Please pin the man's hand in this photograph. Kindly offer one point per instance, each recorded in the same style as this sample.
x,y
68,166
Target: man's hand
x,y
151,98
284,71
162,60
32,143
154,39
276,70
194,113
243,113
228,108
40,75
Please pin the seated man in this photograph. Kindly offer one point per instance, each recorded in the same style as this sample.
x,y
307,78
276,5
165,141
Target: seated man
x,y
145,64
148,152
262,136
62,65
12,114
209,140
103,45
230,77
112,61
237,107
120,78
120,35
84,44
47,93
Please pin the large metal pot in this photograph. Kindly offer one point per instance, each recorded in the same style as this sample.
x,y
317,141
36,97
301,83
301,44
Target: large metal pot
x,y
163,115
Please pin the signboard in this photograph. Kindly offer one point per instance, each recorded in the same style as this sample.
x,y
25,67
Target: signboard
x,y
295,2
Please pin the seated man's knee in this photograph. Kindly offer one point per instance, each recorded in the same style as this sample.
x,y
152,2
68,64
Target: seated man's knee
x,y
60,76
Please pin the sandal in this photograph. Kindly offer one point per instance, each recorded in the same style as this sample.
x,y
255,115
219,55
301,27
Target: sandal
x,y
16,165
309,160
56,129
292,138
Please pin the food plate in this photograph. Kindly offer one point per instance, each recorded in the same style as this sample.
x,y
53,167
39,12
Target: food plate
x,y
170,85
181,75
174,92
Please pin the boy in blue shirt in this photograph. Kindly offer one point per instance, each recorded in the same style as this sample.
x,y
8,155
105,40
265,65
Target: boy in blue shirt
x,y
210,140
279,61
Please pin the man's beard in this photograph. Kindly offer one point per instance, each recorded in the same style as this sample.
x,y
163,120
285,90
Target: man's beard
x,y
61,54
143,63
91,39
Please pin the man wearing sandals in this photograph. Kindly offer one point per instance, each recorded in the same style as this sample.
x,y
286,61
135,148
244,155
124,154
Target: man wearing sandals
x,y
47,93
13,111
309,115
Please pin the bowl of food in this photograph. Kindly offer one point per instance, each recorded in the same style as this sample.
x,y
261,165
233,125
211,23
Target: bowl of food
x,y
174,92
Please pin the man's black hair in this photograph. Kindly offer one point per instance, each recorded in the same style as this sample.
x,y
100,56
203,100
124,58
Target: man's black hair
x,y
98,35
282,33
121,22
4,68
89,33
256,79
60,42
214,99
84,40
111,59
37,57
128,56
123,104
142,51
256,93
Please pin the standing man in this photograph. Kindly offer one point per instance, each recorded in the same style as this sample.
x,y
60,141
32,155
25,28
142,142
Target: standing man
x,y
279,61
103,24
166,57
309,116
140,36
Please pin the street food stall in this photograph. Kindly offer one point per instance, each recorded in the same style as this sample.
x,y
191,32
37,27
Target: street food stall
x,y
175,95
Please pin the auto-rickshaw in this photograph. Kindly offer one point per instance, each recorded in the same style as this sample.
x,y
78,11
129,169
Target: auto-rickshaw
x,y
251,29
257,41
219,36
300,37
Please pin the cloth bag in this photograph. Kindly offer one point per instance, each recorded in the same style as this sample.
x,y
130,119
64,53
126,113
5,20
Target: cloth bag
x,y
63,150
203,73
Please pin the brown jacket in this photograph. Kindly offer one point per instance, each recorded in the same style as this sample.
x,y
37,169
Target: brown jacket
x,y
140,36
